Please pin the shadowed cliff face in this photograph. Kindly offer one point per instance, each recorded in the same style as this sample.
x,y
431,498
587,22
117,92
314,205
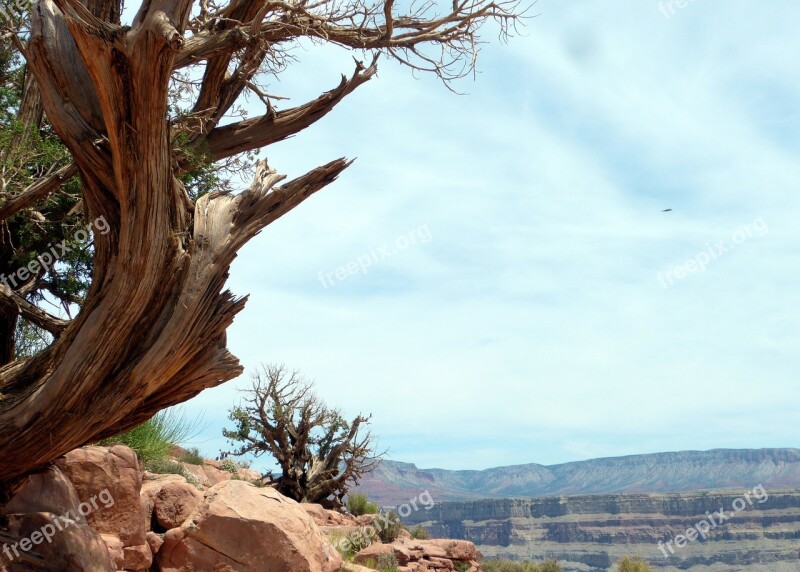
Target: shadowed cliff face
x,y
686,471
590,532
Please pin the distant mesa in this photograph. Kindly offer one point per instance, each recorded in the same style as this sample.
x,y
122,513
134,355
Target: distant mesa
x,y
685,471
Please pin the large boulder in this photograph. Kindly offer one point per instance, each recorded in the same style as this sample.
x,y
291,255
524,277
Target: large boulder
x,y
48,490
207,475
151,485
73,548
325,517
109,479
174,502
240,527
42,528
374,552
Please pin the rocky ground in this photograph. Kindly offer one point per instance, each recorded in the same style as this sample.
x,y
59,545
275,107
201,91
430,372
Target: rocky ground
x,y
96,510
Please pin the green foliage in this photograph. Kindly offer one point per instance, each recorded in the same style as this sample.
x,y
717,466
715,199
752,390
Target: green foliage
x,y
170,467
358,505
193,457
230,465
342,545
201,177
420,533
462,566
350,544
634,564
153,439
383,563
30,339
389,530
499,565
27,153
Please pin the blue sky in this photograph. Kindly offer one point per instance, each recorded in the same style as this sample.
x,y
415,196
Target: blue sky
x,y
537,305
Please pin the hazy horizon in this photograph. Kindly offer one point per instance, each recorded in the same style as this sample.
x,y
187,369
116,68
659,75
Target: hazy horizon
x,y
527,300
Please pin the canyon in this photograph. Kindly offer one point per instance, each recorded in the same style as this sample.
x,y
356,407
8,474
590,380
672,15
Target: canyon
x,y
588,514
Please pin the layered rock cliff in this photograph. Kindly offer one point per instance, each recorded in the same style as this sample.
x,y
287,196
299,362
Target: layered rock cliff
x,y
590,532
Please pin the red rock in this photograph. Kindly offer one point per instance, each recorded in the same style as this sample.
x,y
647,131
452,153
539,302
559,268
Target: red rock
x,y
101,473
240,527
75,548
323,516
207,475
115,549
154,541
38,503
366,519
455,549
373,553
151,486
138,557
48,490
174,502
440,563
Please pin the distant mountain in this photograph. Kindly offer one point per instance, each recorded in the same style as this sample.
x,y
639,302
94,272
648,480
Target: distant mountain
x,y
395,483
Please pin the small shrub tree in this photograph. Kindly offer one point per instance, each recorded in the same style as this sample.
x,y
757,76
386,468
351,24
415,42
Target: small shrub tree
x,y
420,533
634,564
390,528
319,452
230,466
358,505
192,457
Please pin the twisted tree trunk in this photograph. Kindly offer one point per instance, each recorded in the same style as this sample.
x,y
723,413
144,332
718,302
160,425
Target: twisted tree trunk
x,y
152,330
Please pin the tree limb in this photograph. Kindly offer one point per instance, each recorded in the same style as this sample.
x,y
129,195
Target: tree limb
x,y
39,190
272,127
33,313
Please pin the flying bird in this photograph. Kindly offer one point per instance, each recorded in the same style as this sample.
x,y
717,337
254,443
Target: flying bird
x,y
666,211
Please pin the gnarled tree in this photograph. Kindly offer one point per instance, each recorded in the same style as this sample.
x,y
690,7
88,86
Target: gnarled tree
x,y
151,328
320,454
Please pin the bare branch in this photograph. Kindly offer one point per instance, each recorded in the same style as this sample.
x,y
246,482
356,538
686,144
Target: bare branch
x,y
320,454
39,190
273,127
32,313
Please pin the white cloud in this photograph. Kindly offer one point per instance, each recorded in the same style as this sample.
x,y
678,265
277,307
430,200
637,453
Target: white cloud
x,y
535,310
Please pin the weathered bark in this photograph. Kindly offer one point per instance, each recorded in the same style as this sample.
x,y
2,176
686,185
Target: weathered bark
x,y
8,327
151,331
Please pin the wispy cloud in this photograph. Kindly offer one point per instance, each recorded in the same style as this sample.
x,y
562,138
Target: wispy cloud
x,y
535,311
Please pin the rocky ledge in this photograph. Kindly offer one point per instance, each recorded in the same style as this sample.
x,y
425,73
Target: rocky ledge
x,y
96,510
